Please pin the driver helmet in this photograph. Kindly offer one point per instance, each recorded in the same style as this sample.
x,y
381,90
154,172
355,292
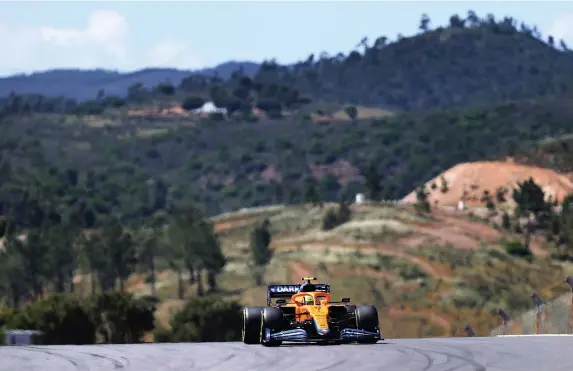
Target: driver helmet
x,y
308,300
307,287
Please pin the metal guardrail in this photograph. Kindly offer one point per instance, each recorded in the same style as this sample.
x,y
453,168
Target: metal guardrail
x,y
555,317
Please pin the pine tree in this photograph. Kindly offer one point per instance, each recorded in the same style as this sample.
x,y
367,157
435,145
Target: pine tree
x,y
422,202
261,253
487,199
443,185
505,221
530,198
311,194
372,179
120,253
194,239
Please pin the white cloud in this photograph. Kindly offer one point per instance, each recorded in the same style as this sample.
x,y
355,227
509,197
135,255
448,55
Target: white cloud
x,y
102,43
562,28
105,30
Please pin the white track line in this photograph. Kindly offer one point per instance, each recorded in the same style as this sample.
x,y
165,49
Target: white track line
x,y
535,335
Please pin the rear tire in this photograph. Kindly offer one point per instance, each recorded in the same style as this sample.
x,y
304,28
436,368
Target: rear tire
x,y
252,325
367,320
272,318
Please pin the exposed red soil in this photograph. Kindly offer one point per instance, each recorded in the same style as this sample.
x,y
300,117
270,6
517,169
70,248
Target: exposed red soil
x,y
232,224
432,268
452,227
342,170
271,173
299,270
467,181
342,271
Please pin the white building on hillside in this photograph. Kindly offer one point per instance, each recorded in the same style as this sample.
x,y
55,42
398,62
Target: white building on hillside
x,y
208,108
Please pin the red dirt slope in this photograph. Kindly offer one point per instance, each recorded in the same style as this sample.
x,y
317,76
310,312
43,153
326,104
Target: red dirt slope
x,y
467,181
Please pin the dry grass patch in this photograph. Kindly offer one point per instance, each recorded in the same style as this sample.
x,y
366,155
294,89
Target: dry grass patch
x,y
383,256
165,311
387,230
263,211
147,133
363,113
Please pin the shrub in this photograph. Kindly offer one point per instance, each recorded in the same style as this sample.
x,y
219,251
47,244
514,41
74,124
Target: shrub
x,y
422,202
411,272
62,318
193,102
505,221
516,248
335,217
122,319
208,318
66,319
162,335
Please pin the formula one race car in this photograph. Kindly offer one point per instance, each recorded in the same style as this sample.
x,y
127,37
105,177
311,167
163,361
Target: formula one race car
x,y
309,316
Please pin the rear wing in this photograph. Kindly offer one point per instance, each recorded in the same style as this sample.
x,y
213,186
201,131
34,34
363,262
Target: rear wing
x,y
286,291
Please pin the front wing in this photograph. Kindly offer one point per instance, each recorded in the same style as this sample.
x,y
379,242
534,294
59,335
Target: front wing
x,y
301,336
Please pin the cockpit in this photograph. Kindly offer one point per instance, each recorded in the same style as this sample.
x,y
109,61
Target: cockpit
x,y
321,300
311,299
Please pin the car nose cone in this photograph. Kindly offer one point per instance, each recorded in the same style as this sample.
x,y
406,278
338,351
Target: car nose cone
x,y
323,331
321,326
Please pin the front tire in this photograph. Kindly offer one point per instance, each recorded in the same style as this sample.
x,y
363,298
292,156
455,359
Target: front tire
x,y
272,318
367,320
251,325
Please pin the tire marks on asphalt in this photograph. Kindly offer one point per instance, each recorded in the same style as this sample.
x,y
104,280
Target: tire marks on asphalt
x,y
440,354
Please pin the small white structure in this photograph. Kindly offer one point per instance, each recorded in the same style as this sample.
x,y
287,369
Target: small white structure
x,y
461,205
209,107
21,337
359,198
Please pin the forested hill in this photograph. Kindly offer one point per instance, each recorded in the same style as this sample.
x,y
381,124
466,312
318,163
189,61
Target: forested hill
x,y
471,61
291,130
85,84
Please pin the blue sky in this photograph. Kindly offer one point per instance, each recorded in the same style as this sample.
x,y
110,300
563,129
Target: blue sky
x,y
129,35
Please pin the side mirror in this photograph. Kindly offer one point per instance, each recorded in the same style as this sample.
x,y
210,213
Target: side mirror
x,y
345,300
281,301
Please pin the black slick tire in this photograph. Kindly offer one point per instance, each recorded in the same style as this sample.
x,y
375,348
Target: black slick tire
x,y
252,325
367,320
272,318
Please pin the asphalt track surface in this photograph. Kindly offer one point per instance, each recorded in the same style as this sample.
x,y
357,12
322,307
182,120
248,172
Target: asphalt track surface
x,y
453,354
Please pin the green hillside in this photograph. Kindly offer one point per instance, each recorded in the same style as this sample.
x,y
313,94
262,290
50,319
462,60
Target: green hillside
x,y
472,61
228,165
101,188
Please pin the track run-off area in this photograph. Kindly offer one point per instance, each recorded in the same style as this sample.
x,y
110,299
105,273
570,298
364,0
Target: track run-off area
x,y
527,353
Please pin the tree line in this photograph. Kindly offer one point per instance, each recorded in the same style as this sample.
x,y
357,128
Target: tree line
x,y
121,318
379,72
46,257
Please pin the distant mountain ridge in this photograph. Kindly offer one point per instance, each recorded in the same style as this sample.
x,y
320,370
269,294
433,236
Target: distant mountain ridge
x,y
471,62
85,84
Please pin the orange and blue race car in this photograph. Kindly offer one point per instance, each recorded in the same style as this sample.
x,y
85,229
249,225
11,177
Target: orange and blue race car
x,y
310,317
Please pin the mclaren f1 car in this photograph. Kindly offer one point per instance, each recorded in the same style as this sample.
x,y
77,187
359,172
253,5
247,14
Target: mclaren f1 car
x,y
309,316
